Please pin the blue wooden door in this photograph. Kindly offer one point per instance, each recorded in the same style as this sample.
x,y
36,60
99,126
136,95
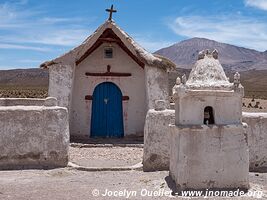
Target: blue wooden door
x,y
107,114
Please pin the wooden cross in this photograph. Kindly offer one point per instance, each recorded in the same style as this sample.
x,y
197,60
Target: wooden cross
x,y
111,11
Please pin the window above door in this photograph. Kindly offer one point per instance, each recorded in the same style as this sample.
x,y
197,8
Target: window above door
x,y
108,52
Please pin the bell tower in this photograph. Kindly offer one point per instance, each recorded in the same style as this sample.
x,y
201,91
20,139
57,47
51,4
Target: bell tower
x,y
208,141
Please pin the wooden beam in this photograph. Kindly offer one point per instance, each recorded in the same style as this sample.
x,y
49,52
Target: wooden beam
x,y
122,45
88,97
110,40
109,74
125,98
109,36
89,51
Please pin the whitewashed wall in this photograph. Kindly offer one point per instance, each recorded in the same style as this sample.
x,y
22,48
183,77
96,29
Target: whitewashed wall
x,y
226,107
156,85
60,84
22,101
33,137
157,140
257,140
134,110
158,148
209,157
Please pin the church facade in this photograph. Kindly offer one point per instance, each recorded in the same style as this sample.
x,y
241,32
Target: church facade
x,y
108,83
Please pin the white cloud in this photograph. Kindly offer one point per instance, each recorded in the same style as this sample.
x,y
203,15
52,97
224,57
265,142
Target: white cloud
x,y
23,27
23,47
260,4
61,37
21,2
55,20
236,30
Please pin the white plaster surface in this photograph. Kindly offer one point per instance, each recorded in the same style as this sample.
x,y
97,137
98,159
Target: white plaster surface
x,y
208,73
157,140
227,107
256,131
60,84
33,137
209,157
134,109
156,86
50,101
257,140
214,156
69,84
207,86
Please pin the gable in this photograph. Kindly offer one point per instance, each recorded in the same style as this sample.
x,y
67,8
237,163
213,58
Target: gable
x,y
109,32
108,36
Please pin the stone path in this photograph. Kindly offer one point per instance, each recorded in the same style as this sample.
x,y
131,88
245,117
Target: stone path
x,y
105,156
69,184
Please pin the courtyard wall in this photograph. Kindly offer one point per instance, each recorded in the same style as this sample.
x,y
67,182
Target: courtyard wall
x,y
157,140
33,135
257,140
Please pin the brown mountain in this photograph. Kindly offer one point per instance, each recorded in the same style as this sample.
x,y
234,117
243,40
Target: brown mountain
x,y
184,54
34,77
24,83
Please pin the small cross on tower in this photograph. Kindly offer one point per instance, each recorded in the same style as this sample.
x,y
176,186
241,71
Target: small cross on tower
x,y
111,11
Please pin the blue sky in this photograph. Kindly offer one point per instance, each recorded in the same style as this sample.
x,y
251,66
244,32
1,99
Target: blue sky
x,y
33,31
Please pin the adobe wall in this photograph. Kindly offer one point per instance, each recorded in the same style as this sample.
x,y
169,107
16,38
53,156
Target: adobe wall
x,y
157,140
60,83
50,101
156,86
134,109
191,107
213,156
257,140
155,147
33,136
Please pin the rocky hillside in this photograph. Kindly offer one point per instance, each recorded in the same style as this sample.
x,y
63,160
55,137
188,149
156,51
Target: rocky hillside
x,y
34,77
184,54
24,83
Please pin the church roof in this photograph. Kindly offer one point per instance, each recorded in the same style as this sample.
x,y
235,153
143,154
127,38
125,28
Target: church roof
x,y
111,32
208,73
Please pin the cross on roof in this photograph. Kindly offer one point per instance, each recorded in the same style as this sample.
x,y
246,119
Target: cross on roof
x,y
111,11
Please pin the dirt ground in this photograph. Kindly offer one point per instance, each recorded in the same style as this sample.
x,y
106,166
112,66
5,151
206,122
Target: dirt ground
x,y
106,157
72,184
68,184
254,105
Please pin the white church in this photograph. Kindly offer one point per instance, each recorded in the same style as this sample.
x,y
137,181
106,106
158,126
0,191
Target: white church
x,y
110,87
108,83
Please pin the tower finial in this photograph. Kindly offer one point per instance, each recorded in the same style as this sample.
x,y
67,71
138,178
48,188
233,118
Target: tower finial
x,y
111,11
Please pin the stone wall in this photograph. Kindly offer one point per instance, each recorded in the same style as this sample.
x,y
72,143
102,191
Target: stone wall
x,y
60,84
214,156
27,101
33,136
156,85
257,140
191,107
157,142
